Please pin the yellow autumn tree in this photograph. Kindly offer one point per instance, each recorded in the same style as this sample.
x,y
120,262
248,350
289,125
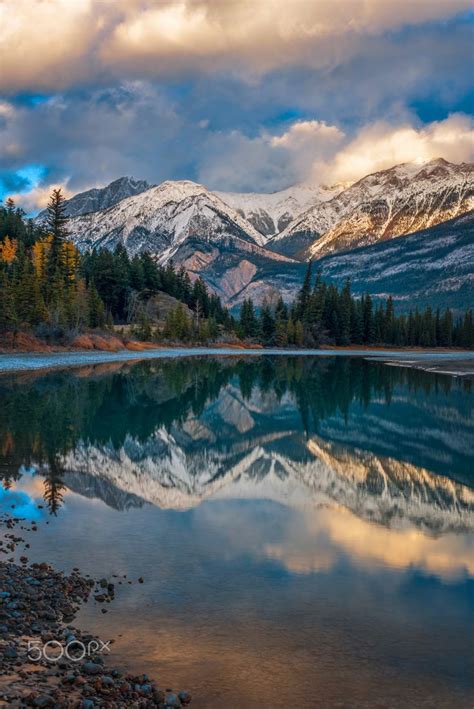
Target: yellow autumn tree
x,y
40,251
70,261
8,249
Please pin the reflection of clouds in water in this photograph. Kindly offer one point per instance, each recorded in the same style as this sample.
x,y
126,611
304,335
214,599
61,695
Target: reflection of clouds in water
x,y
31,483
317,544
25,501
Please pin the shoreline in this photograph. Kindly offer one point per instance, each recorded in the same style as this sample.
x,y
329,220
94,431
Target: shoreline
x,y
47,662
461,363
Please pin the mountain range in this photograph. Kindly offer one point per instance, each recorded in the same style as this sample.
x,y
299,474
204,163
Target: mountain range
x,y
250,244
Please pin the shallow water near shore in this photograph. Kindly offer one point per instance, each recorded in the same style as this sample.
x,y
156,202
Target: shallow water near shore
x,y
304,526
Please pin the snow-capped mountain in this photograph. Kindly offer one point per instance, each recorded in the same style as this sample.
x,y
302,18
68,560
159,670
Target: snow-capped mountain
x,y
271,213
160,219
433,267
102,197
184,222
386,204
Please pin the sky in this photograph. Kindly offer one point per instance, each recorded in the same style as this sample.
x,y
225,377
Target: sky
x,y
238,95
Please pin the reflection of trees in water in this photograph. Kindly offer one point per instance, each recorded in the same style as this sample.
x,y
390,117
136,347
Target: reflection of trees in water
x,y
44,417
53,485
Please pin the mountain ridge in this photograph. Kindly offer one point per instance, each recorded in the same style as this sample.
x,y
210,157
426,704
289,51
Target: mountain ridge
x,y
387,204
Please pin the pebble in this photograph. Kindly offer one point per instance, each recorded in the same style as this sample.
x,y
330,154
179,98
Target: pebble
x,y
38,602
43,700
91,668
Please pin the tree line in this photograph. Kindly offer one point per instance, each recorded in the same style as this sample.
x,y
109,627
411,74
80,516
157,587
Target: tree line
x,y
323,314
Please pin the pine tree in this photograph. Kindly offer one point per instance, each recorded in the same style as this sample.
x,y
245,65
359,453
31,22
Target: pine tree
x,y
8,316
368,320
303,296
299,334
291,331
281,332
29,304
248,323
96,308
446,329
56,220
388,321
267,324
345,314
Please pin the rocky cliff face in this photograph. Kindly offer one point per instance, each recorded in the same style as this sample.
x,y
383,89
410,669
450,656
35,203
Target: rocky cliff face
x,y
160,219
184,222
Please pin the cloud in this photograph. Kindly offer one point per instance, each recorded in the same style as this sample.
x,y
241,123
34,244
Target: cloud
x,y
380,146
56,43
316,152
38,196
43,42
268,162
89,141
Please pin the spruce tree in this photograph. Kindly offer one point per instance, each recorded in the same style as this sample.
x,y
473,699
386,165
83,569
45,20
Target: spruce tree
x,y
56,220
303,296
8,316
267,325
345,314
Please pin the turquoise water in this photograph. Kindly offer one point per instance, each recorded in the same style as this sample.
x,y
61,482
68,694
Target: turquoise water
x,y
303,525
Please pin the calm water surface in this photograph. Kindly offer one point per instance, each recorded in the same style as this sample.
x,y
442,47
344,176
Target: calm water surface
x,y
304,525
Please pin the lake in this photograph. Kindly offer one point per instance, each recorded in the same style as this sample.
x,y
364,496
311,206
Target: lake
x,y
304,525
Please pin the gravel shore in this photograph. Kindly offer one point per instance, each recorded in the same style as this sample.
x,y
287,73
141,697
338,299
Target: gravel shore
x,y
47,662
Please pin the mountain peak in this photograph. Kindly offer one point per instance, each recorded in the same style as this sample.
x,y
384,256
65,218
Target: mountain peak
x,y
99,198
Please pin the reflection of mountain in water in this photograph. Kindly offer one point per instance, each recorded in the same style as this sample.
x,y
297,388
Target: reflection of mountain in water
x,y
376,488
390,444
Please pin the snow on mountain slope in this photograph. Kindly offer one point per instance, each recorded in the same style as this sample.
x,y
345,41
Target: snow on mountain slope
x,y
160,218
390,203
102,197
272,213
434,266
207,233
184,222
403,205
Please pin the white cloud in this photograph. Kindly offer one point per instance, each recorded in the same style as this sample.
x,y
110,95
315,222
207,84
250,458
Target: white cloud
x,y
380,146
38,197
266,162
317,152
54,43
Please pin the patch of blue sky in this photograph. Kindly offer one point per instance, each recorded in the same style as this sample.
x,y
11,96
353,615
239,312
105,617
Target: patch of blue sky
x,y
22,180
35,99
288,116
